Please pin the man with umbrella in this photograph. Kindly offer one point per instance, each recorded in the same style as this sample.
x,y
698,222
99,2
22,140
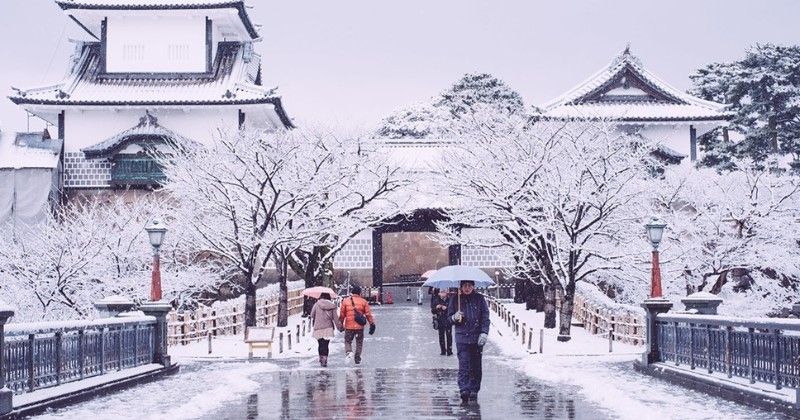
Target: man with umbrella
x,y
470,315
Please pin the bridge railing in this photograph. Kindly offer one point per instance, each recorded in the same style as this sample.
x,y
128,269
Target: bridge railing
x,y
758,349
42,355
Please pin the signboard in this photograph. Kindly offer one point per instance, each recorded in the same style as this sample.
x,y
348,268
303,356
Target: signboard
x,y
259,335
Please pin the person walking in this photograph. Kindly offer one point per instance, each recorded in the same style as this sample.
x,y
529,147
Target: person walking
x,y
439,302
355,313
470,315
324,319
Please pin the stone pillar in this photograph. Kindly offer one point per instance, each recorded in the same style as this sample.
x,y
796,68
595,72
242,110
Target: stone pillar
x,y
653,307
702,303
113,305
6,405
159,310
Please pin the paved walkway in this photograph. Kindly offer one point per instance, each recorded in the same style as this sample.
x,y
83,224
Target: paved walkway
x,y
402,376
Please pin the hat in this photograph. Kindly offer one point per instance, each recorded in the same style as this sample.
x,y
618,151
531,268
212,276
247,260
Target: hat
x,y
472,282
356,290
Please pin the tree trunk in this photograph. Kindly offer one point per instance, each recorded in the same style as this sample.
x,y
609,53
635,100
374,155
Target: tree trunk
x,y
250,304
310,281
549,305
283,300
565,316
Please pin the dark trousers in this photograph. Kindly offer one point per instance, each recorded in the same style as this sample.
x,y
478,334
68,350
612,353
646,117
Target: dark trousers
x,y
349,335
469,367
446,339
323,346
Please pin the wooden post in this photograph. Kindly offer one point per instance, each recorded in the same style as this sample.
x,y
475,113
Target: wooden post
x,y
280,343
209,343
289,335
541,340
298,333
523,334
530,338
610,340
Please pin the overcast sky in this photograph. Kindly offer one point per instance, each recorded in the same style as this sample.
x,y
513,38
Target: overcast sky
x,y
351,62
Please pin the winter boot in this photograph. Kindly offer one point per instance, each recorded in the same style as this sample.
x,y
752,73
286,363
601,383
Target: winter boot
x,y
464,398
323,360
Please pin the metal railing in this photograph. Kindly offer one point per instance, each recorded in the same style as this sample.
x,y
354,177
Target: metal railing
x,y
42,355
761,349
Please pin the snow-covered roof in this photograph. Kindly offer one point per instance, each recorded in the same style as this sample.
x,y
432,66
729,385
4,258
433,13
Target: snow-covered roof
x,y
239,5
148,129
27,154
232,81
624,90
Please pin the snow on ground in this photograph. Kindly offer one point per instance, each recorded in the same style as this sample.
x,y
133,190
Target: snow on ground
x,y
233,347
607,379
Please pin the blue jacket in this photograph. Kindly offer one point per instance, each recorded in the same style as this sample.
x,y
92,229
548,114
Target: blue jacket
x,y
476,317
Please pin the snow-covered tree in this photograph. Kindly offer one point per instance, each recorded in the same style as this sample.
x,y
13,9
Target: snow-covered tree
x,y
90,250
474,92
564,197
255,197
764,92
732,234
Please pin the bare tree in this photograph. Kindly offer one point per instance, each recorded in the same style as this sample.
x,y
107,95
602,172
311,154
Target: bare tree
x,y
563,197
255,197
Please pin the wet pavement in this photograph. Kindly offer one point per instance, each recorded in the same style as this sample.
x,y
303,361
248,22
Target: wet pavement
x,y
402,376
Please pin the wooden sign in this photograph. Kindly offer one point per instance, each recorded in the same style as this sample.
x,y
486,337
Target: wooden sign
x,y
259,335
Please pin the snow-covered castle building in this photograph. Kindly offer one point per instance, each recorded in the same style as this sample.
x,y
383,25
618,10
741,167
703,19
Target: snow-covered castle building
x,y
633,98
154,73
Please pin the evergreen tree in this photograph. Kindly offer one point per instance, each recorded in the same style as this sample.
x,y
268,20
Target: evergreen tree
x,y
473,93
764,92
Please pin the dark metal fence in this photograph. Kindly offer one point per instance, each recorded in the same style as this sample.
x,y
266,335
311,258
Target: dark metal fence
x,y
43,355
763,350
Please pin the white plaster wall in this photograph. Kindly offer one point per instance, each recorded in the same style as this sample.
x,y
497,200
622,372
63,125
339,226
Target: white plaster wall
x,y
89,127
156,44
676,137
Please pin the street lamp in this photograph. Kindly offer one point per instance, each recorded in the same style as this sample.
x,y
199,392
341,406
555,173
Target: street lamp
x,y
655,232
156,232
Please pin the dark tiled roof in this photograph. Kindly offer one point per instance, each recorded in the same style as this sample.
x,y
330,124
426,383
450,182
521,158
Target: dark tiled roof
x,y
148,130
163,5
232,81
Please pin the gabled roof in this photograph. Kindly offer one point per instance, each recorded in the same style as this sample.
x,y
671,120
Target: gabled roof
x,y
624,90
147,130
232,81
163,5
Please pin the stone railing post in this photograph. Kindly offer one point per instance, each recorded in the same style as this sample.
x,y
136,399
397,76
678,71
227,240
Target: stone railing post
x,y
6,406
653,307
159,310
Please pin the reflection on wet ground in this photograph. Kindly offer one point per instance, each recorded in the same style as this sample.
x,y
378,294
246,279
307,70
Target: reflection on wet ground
x,y
403,376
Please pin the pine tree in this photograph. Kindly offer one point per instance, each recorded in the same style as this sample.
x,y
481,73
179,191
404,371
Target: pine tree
x,y
764,92
473,93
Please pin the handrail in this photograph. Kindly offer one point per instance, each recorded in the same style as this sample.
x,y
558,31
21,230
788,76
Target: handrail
x,y
757,323
26,328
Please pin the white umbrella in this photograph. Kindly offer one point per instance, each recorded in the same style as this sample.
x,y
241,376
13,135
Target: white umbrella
x,y
453,275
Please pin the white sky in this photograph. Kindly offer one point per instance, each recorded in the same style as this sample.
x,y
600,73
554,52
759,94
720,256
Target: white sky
x,y
351,62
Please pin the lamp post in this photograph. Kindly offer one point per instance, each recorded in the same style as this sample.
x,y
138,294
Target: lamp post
x,y
156,232
655,232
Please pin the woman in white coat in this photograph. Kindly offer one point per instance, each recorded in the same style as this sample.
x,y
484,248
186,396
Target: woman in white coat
x,y
324,319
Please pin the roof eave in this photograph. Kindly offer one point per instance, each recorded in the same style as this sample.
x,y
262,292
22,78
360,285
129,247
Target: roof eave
x,y
238,5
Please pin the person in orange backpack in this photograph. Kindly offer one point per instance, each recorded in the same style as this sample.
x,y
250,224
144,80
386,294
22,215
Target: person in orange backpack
x,y
355,314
